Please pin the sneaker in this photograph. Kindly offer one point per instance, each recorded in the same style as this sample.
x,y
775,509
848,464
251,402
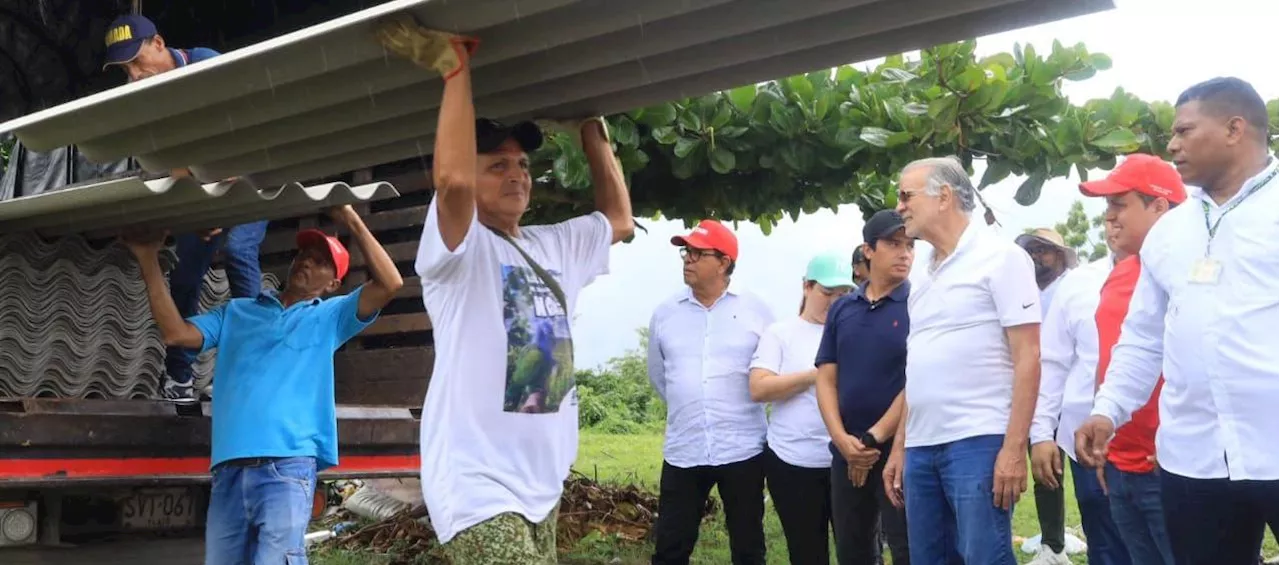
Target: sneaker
x,y
175,391
1047,556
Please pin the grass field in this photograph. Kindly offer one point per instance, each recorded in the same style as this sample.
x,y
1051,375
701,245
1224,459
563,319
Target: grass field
x,y
638,459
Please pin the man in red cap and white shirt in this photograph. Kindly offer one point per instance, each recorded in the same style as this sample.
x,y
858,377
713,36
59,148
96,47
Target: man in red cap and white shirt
x,y
1139,191
274,421
700,345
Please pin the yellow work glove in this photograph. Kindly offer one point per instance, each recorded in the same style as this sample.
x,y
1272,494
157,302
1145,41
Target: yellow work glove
x,y
443,52
573,127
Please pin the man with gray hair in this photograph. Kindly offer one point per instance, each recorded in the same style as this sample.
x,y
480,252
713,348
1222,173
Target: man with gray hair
x,y
973,372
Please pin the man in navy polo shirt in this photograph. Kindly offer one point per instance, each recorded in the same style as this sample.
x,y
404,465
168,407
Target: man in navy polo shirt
x,y
134,45
862,362
274,422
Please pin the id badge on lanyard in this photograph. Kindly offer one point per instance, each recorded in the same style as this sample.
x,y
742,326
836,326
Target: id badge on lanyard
x,y
1207,270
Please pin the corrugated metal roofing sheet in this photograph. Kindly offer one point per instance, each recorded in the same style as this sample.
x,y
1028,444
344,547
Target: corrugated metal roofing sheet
x,y
180,204
328,98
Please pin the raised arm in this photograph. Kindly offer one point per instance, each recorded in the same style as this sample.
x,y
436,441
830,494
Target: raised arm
x,y
453,166
453,169
611,195
174,330
384,278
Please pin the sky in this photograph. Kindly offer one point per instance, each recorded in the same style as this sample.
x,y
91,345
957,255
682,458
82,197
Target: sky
x,y
1158,48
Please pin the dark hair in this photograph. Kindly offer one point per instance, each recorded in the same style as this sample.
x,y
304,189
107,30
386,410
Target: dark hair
x,y
860,256
1147,199
1233,97
732,264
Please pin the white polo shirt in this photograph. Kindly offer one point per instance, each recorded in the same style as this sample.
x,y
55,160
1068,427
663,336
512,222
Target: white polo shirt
x,y
959,366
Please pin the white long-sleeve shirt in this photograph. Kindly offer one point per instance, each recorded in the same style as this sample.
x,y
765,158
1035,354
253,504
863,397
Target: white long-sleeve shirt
x,y
1218,342
699,358
1069,356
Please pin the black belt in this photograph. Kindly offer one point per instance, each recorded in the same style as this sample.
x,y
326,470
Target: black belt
x,y
249,462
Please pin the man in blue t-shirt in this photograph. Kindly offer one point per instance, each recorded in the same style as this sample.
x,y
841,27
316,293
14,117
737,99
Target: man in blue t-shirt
x,y
274,422
862,362
134,45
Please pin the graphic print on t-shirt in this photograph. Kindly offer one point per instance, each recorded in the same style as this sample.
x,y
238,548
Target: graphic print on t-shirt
x,y
539,348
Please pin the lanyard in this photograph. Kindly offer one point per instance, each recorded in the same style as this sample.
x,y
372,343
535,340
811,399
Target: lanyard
x,y
1213,229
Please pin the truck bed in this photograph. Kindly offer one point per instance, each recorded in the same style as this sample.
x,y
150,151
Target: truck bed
x,y
71,442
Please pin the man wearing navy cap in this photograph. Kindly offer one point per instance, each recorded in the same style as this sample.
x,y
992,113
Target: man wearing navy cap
x,y
500,420
134,45
862,363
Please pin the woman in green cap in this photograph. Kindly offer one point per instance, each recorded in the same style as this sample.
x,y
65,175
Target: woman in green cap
x,y
797,458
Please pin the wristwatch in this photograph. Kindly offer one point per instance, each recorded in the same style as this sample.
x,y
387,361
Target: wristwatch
x,y
869,440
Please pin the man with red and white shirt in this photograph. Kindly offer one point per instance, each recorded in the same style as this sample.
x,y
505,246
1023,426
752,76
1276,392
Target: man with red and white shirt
x,y
1138,192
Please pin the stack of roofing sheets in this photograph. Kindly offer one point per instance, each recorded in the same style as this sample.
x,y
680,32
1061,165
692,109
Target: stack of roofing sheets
x,y
74,322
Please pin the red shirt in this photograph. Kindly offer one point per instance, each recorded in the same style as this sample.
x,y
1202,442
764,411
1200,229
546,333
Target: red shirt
x,y
1136,440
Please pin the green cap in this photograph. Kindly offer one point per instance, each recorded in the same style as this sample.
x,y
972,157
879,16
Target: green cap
x,y
830,270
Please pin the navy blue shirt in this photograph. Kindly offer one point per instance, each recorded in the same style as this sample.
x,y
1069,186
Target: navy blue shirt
x,y
868,343
184,57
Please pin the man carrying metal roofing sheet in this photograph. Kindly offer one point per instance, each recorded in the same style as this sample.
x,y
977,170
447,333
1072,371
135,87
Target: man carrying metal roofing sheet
x,y
274,422
500,421
134,45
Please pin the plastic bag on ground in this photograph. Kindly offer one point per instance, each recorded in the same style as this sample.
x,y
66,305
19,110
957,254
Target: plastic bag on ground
x,y
1073,545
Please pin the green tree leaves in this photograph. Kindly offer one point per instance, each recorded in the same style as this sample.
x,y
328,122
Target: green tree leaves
x,y
839,136
1082,233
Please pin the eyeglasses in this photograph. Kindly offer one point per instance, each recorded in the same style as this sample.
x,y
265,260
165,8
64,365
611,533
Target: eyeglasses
x,y
694,254
905,195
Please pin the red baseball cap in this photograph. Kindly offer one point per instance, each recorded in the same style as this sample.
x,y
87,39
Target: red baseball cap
x,y
710,234
341,259
1145,174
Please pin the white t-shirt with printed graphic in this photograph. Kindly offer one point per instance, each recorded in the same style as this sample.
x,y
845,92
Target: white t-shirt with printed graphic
x,y
500,421
796,431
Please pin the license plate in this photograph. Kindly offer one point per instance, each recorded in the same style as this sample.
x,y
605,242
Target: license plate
x,y
154,509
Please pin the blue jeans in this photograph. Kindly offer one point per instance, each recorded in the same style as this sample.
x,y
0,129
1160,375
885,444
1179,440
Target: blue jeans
x,y
244,275
1106,545
951,513
1139,515
258,515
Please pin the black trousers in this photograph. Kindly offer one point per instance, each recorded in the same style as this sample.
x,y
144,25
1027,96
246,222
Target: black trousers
x,y
682,496
802,498
859,513
1051,509
1217,521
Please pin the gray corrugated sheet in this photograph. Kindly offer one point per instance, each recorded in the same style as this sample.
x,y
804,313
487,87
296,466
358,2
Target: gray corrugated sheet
x,y
74,322
179,204
328,99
